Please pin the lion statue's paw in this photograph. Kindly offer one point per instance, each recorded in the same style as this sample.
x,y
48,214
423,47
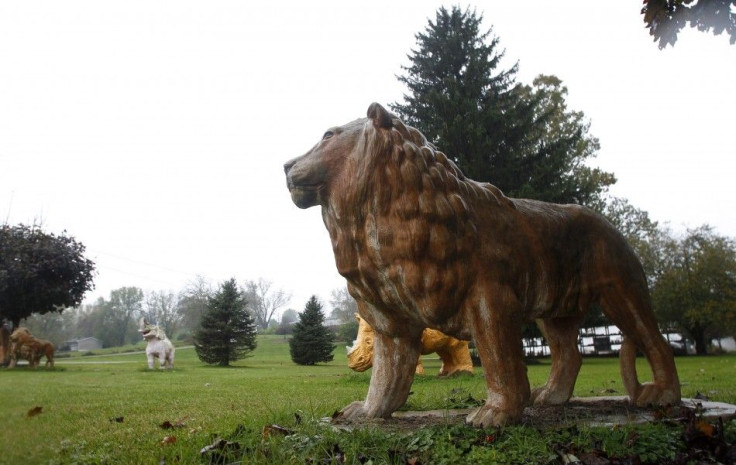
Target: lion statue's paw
x,y
654,394
548,396
489,416
352,411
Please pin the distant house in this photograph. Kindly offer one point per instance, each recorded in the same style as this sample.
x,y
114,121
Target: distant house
x,y
85,343
606,340
331,322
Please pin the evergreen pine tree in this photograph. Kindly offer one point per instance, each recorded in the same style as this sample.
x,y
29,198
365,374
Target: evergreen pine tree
x,y
494,129
227,331
311,341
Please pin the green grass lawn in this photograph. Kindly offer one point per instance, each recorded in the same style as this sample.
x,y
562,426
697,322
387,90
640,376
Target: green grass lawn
x,y
110,408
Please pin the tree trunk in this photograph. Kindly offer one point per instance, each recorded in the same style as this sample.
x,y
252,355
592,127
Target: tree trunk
x,y
701,343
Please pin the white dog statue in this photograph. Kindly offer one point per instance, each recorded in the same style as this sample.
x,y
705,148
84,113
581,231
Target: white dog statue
x,y
158,345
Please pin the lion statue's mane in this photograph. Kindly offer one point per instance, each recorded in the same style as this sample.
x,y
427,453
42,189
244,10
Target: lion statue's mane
x,y
422,246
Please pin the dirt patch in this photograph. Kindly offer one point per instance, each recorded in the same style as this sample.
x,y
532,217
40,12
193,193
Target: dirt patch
x,y
599,411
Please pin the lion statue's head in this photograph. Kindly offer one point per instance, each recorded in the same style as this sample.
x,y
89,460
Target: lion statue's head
x,y
20,337
397,210
149,331
379,148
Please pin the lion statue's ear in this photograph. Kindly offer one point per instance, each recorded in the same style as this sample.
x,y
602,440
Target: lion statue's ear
x,y
380,116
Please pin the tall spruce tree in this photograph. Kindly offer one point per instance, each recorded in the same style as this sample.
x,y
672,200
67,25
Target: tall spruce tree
x,y
311,341
227,331
519,138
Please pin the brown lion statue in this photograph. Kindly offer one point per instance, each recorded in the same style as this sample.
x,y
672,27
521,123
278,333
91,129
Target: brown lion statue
x,y
454,353
422,246
24,345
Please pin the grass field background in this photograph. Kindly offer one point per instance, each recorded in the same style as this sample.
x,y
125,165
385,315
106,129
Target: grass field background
x,y
110,408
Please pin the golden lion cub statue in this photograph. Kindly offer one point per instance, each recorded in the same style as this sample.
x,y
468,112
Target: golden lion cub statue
x,y
422,246
454,353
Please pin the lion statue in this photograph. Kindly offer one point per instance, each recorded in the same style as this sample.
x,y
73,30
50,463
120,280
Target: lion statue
x,y
159,346
24,345
422,246
454,353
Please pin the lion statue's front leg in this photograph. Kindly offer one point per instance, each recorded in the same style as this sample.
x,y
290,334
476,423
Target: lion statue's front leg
x,y
394,362
497,336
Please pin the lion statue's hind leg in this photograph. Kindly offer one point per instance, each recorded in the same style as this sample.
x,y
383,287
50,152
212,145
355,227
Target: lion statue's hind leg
x,y
631,312
48,350
169,357
562,336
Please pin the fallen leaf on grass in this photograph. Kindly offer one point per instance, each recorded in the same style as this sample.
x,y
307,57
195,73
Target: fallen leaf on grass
x,y
168,440
219,450
568,458
177,424
168,425
701,396
591,458
335,456
706,442
35,411
706,429
271,430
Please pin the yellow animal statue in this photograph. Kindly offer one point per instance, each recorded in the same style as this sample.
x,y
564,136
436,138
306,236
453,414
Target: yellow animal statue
x,y
454,353
422,246
24,345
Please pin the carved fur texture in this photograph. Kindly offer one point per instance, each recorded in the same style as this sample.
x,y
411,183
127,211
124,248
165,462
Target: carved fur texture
x,y
422,246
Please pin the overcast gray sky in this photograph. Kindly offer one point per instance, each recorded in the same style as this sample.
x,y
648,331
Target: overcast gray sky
x,y
155,132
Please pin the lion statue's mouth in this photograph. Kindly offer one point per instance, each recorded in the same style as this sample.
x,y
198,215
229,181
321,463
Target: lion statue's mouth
x,y
305,195
304,187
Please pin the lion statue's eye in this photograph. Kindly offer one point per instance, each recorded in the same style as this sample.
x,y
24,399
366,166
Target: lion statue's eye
x,y
327,135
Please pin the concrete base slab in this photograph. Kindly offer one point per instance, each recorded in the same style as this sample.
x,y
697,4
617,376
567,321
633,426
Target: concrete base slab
x,y
590,411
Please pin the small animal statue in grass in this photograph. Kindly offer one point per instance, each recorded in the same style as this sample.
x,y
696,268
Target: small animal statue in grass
x,y
159,346
454,353
24,345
